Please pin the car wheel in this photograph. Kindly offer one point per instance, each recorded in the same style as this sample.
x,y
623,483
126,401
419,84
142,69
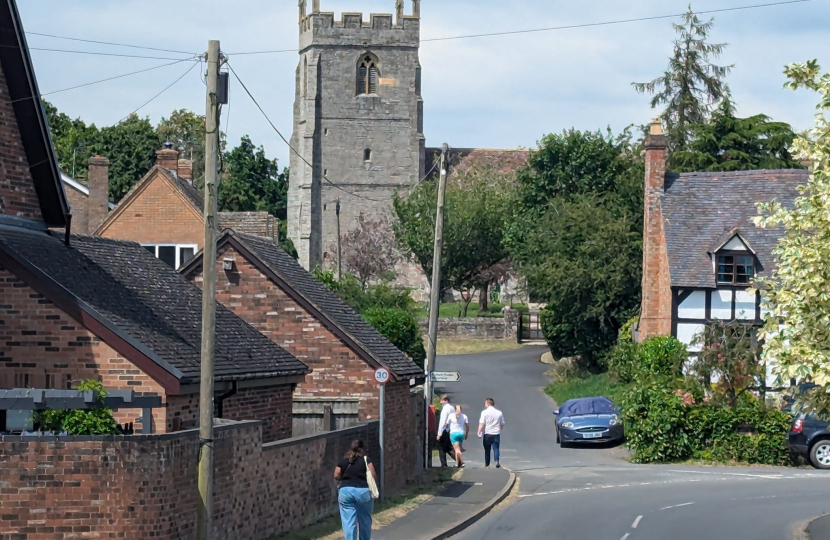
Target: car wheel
x,y
820,454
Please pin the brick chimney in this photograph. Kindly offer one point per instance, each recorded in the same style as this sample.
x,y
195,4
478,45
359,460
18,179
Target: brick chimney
x,y
656,310
98,201
168,157
186,170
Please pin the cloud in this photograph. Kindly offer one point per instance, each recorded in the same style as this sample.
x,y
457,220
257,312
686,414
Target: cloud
x,y
501,91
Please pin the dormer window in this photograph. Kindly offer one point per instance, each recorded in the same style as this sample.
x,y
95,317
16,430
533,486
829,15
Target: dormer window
x,y
367,75
735,268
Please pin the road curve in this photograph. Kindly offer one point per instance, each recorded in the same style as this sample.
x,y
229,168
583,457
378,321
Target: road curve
x,y
594,493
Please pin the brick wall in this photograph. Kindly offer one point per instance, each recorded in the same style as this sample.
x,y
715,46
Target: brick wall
x,y
479,328
158,215
269,404
78,207
42,347
338,371
145,486
17,189
655,313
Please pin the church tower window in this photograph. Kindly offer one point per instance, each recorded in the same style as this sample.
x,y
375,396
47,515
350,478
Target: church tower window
x,y
367,75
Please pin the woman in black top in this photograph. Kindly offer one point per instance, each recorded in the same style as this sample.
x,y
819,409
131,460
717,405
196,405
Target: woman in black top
x,y
355,499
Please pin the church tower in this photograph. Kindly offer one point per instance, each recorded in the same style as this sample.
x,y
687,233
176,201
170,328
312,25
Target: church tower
x,y
358,122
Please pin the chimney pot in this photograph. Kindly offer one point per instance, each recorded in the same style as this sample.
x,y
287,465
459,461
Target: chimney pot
x,y
656,127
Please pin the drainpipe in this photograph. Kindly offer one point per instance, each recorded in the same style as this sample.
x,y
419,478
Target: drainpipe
x,y
220,401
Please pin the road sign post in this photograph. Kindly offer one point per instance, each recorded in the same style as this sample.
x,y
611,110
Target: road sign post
x,y
446,376
382,377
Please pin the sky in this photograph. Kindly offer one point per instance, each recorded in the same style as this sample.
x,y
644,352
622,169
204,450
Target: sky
x,y
496,92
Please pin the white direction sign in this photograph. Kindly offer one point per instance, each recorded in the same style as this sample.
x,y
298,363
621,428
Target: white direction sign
x,y
382,375
446,376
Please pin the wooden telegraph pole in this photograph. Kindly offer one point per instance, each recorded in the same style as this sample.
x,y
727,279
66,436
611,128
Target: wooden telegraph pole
x,y
435,294
204,508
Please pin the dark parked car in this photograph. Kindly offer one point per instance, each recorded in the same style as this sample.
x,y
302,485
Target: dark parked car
x,y
810,437
588,420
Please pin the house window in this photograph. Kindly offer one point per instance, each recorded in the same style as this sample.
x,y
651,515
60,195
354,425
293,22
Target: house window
x,y
367,75
175,255
735,269
367,155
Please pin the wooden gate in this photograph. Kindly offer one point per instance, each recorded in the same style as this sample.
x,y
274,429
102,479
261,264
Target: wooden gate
x,y
530,328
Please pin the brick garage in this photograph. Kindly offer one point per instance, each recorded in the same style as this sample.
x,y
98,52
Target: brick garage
x,y
261,490
269,289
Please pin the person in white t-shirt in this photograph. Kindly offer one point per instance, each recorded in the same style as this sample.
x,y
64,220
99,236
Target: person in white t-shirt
x,y
459,428
489,426
443,437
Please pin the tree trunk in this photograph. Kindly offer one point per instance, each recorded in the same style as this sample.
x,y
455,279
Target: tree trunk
x,y
482,298
466,304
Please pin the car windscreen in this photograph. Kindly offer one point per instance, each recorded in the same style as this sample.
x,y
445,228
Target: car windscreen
x,y
592,405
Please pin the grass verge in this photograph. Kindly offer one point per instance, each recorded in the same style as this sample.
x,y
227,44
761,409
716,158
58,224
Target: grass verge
x,y
470,346
592,385
392,508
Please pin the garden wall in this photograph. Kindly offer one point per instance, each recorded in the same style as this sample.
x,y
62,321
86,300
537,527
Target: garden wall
x,y
483,328
144,486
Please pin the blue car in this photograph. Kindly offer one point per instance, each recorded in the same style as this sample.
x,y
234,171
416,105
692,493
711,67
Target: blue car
x,y
588,420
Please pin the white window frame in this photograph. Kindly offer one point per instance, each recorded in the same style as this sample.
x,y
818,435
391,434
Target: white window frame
x,y
178,248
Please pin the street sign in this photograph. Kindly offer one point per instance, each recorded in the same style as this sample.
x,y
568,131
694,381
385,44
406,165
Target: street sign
x,y
382,375
446,376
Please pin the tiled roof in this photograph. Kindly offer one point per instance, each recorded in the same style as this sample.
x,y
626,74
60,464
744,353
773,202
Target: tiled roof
x,y
504,161
329,305
701,210
150,303
256,223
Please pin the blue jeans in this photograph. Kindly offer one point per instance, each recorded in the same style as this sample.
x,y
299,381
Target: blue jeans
x,y
356,505
491,441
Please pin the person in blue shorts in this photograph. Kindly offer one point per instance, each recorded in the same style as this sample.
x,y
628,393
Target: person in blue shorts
x,y
459,428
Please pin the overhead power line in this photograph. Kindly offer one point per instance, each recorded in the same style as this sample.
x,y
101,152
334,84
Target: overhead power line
x,y
607,23
115,77
166,88
106,54
570,26
108,43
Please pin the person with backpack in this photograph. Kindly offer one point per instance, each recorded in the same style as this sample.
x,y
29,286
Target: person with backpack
x,y
356,475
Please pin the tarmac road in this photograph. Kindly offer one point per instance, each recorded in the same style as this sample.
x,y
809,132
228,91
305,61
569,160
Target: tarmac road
x,y
594,493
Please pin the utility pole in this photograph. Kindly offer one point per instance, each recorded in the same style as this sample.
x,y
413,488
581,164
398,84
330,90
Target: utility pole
x,y
204,507
339,251
435,293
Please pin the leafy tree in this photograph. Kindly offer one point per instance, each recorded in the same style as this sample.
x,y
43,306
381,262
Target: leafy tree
x,y
369,251
797,343
131,146
401,328
576,235
730,354
474,222
72,140
728,143
691,84
250,181
186,130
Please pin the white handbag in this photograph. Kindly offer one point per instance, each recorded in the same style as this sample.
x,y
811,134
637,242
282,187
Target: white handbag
x,y
370,479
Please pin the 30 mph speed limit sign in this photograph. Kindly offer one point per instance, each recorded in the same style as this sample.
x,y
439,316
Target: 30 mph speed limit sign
x,y
382,375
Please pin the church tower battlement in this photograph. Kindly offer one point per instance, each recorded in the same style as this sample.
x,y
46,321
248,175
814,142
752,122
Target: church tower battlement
x,y
358,122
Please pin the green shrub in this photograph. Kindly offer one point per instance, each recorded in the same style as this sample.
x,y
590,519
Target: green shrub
x,y
662,356
623,361
627,330
400,327
666,421
97,421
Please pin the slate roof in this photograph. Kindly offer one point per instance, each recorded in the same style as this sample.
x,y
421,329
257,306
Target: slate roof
x,y
330,307
256,223
702,210
149,303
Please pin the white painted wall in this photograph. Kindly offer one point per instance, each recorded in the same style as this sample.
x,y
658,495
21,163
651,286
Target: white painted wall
x,y
744,305
722,305
693,307
686,334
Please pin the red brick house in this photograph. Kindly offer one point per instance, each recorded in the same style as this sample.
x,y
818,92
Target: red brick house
x,y
701,250
163,212
264,285
77,307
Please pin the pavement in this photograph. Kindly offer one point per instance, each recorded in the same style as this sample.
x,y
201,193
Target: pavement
x,y
819,529
595,493
454,509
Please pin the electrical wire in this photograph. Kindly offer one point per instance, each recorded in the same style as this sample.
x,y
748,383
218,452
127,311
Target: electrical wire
x,y
571,26
106,54
108,43
258,106
607,23
166,88
113,78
